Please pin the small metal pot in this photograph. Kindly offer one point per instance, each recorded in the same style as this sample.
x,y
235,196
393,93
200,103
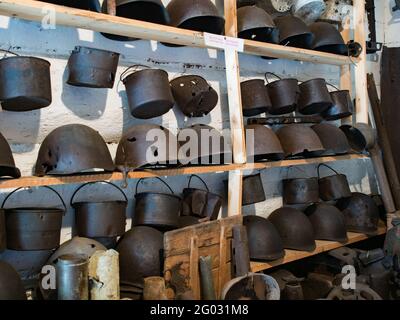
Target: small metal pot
x,y
253,190
284,95
149,93
342,106
98,219
255,98
300,191
314,97
33,228
333,187
157,210
92,68
24,83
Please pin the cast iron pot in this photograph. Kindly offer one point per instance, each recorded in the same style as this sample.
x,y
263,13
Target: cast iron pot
x,y
314,97
100,219
92,68
300,191
33,228
333,187
149,93
342,106
284,95
255,98
24,83
157,210
253,190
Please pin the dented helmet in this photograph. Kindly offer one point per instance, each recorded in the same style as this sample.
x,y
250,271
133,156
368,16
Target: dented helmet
x,y
7,164
327,38
293,32
11,287
333,139
266,144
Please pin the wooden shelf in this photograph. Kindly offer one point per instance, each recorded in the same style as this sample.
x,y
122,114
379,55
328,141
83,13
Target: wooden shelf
x,y
33,10
114,176
322,246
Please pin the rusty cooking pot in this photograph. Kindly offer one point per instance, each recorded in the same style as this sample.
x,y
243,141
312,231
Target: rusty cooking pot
x,y
148,90
314,97
100,219
25,83
33,228
333,187
200,203
157,210
284,94
342,105
300,191
253,190
255,98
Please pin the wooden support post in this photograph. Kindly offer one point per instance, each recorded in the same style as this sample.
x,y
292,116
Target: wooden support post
x,y
235,186
222,262
194,268
345,70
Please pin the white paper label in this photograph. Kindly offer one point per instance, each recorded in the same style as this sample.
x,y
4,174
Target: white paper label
x,y
222,42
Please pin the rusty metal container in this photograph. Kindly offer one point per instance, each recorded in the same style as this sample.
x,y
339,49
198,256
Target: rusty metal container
x,y
284,95
314,97
255,98
342,107
300,191
333,187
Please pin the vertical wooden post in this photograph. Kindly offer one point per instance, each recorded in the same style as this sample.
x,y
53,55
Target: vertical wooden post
x,y
235,187
345,70
194,268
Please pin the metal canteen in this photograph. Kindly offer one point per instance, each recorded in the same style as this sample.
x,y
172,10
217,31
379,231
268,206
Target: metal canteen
x,y
295,229
328,222
140,254
71,149
327,38
255,98
333,187
299,140
360,212
92,68
7,163
100,219
3,237
25,83
11,287
193,95
256,24
293,32
133,148
33,228
284,95
200,203
155,209
265,243
314,97
253,190
342,107
266,145
148,91
300,191
333,139
92,5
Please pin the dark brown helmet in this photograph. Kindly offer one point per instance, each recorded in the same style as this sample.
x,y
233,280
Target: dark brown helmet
x,y
328,222
255,98
133,149
333,139
327,38
300,140
300,191
7,164
342,106
92,5
193,95
314,97
266,144
265,243
73,148
293,32
140,253
253,190
294,228
256,24
333,187
197,15
360,212
11,287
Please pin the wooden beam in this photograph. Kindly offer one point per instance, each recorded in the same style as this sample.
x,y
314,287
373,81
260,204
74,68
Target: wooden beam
x,y
235,188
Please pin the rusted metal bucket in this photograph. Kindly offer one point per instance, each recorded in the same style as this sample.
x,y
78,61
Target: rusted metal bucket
x,y
284,95
333,187
314,97
300,191
255,98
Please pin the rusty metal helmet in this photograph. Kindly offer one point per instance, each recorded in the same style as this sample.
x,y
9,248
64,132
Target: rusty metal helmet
x,y
7,164
193,95
138,141
73,148
11,287
140,253
293,32
361,213
265,243
197,15
328,222
266,144
256,24
295,229
300,140
333,139
327,38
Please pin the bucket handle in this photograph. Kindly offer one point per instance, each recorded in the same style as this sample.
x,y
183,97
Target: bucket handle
x,y
273,74
196,176
130,68
94,182
47,187
141,179
8,51
325,165
333,86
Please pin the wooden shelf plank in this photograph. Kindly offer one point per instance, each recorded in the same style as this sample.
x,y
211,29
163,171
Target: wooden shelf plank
x,y
114,176
33,10
322,246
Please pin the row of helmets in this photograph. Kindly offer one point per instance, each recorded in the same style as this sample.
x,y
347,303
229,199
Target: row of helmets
x,y
290,228
285,96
